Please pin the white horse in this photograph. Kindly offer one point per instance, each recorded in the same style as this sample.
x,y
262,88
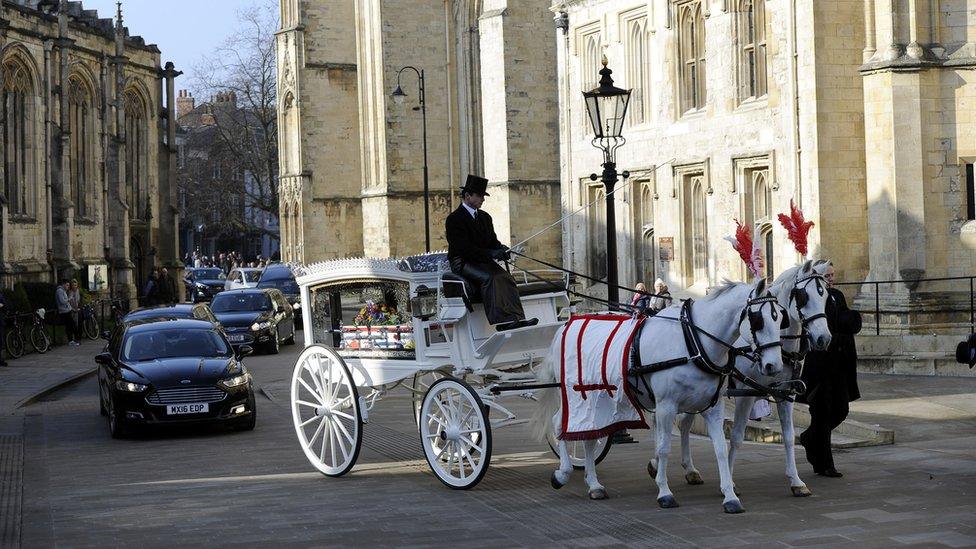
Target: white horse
x,y
673,383
802,291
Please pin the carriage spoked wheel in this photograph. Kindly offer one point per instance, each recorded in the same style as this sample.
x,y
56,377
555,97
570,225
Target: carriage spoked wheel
x,y
421,382
455,433
577,455
325,410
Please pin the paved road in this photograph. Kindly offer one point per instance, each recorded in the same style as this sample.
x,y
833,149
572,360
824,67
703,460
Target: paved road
x,y
210,487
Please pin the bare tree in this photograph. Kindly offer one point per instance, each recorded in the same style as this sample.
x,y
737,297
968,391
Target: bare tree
x,y
233,138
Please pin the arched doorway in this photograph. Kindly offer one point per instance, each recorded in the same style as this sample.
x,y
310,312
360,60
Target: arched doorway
x,y
137,256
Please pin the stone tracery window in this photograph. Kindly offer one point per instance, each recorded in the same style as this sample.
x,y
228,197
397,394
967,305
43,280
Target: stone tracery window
x,y
691,55
18,151
751,37
590,64
597,230
646,270
699,228
81,124
136,154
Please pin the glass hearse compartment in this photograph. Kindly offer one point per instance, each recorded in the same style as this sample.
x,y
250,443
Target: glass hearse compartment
x,y
364,318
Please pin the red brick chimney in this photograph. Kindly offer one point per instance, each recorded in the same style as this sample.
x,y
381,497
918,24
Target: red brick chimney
x,y
184,103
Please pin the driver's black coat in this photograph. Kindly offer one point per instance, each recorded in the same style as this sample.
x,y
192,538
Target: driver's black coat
x,y
834,371
470,239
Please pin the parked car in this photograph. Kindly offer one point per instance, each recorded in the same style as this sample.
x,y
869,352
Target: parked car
x,y
174,372
281,277
204,283
198,311
256,317
245,277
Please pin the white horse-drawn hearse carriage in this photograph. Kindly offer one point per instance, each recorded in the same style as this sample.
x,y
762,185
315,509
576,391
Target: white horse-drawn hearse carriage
x,y
374,325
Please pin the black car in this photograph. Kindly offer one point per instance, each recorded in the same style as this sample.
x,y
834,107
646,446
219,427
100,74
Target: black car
x,y
256,317
173,372
282,278
198,311
203,283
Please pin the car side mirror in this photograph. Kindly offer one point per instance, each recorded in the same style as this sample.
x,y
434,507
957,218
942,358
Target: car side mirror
x,y
244,350
106,335
103,358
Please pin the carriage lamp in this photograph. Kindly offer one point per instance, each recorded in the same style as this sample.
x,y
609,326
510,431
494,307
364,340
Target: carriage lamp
x,y
424,304
606,107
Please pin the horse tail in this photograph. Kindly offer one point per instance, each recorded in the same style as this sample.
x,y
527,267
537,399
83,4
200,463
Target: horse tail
x,y
549,399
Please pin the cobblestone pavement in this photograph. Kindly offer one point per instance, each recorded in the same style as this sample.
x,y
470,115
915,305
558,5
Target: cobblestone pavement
x,y
210,487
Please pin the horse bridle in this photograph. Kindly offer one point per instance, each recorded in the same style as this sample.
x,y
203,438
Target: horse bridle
x,y
757,323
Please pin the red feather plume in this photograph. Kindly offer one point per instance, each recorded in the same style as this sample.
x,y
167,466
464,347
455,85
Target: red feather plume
x,y
797,228
743,244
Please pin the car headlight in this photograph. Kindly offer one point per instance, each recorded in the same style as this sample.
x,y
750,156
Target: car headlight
x,y
236,381
258,326
201,286
130,387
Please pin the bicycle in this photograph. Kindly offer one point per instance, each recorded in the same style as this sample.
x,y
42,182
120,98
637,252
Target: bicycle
x,y
87,322
15,339
37,336
18,337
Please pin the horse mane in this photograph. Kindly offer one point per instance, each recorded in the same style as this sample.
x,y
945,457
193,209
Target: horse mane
x,y
725,287
787,275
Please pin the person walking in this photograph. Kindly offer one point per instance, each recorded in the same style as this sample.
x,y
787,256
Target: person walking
x,y
662,298
831,380
167,288
150,292
64,311
74,298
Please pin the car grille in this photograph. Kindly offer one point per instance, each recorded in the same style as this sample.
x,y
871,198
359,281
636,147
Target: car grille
x,y
178,395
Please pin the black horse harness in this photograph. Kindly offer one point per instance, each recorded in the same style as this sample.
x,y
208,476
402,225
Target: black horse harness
x,y
692,337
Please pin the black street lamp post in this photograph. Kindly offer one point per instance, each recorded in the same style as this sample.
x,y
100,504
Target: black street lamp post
x,y
398,98
606,106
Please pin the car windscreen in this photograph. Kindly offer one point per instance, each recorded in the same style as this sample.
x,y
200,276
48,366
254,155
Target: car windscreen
x,y
161,314
208,274
173,343
252,276
230,303
286,285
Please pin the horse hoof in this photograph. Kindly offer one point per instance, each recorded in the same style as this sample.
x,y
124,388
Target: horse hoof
x,y
801,491
733,507
667,502
554,482
651,469
598,493
694,478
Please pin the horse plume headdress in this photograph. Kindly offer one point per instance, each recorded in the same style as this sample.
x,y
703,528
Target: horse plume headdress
x,y
797,228
748,248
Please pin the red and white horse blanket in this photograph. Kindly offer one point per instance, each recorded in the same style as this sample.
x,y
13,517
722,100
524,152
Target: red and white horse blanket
x,y
595,357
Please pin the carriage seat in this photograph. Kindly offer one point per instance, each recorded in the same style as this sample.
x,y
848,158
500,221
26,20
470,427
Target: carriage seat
x,y
452,288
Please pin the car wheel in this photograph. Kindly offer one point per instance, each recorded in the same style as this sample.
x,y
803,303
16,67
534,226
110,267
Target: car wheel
x,y
116,425
101,402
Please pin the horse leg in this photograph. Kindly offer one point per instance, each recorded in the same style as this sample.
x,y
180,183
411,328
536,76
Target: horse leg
x,y
561,475
597,491
664,419
714,418
743,405
797,486
692,475
652,463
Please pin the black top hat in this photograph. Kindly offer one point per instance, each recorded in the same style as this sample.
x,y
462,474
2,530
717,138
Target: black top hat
x,y
476,184
964,351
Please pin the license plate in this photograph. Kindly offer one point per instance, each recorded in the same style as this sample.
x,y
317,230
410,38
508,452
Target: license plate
x,y
195,408
235,338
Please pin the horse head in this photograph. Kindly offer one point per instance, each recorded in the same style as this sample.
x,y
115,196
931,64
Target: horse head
x,y
760,324
808,300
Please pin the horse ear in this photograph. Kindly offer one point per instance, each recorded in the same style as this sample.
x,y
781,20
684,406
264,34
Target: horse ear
x,y
807,266
760,288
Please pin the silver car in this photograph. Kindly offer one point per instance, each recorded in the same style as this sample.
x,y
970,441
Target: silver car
x,y
244,277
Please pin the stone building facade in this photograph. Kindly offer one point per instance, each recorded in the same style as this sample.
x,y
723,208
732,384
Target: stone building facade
x,y
88,175
352,159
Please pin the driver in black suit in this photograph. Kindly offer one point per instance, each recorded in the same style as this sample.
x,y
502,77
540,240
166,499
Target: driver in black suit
x,y
473,250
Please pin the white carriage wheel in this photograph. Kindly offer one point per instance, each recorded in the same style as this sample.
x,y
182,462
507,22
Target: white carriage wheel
x,y
455,433
421,382
325,410
576,452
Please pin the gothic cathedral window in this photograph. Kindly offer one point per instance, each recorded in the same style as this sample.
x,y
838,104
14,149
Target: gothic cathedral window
x,y
699,228
597,230
136,152
18,103
637,64
691,56
646,271
751,38
80,120
590,65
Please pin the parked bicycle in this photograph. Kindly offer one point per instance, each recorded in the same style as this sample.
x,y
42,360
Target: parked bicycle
x,y
19,335
88,322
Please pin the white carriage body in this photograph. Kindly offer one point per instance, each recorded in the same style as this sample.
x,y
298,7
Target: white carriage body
x,y
453,340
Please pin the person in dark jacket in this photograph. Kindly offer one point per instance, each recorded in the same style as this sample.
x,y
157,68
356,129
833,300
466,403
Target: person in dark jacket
x,y
4,309
473,249
150,292
831,380
167,288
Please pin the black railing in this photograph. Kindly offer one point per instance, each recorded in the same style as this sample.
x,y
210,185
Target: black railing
x,y
969,284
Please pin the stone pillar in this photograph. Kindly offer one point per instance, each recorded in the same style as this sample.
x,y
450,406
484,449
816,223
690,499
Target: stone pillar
x,y
168,235
870,40
520,113
4,266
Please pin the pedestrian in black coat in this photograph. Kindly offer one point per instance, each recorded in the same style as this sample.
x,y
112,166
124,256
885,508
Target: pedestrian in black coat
x,y
831,380
167,288
473,249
